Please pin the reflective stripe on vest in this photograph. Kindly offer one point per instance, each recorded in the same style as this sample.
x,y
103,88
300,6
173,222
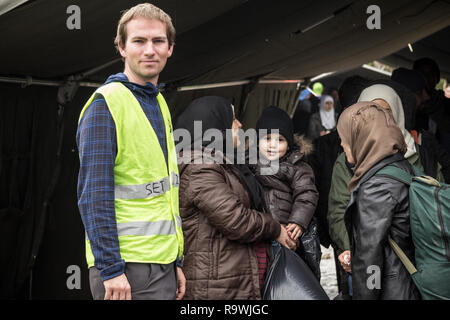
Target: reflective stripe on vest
x,y
146,228
146,190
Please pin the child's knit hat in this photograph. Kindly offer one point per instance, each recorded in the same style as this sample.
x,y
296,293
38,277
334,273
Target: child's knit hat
x,y
276,118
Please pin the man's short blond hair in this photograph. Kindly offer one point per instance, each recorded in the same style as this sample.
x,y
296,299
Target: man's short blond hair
x,y
144,10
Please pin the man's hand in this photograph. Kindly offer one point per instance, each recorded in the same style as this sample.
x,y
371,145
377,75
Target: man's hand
x,y
344,259
284,239
117,288
181,284
294,231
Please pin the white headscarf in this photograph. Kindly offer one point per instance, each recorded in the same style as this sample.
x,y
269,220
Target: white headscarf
x,y
327,117
386,93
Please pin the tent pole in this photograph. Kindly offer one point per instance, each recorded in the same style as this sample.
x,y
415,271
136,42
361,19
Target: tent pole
x,y
52,83
96,69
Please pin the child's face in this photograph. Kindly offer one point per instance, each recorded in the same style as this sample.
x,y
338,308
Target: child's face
x,y
273,146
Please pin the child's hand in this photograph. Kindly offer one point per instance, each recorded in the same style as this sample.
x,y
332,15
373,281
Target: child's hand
x,y
294,231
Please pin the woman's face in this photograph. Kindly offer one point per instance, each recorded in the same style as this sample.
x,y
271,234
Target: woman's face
x,y
273,146
234,129
348,153
329,105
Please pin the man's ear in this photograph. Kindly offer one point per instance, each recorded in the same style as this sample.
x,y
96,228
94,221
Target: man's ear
x,y
122,50
170,50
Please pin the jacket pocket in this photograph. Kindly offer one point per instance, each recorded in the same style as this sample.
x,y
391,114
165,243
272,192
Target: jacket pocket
x,y
283,202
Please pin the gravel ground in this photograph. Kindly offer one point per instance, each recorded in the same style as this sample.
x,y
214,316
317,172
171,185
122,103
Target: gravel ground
x,y
328,272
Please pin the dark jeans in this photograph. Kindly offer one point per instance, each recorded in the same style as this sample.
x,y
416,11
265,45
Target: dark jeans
x,y
148,281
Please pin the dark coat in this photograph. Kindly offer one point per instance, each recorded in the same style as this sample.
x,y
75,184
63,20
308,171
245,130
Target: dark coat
x,y
315,126
379,207
219,231
432,153
290,194
325,152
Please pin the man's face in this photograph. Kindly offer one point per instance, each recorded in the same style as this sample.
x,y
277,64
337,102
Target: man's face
x,y
146,50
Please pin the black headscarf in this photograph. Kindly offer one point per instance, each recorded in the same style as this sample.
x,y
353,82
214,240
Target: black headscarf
x,y
217,113
214,113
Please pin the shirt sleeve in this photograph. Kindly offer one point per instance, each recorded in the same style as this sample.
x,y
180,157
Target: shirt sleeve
x,y
97,146
338,200
304,195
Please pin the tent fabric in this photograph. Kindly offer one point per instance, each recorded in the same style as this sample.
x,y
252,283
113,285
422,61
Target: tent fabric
x,y
435,46
218,40
35,220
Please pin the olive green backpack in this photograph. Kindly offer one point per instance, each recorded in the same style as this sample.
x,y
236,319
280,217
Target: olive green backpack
x,y
429,205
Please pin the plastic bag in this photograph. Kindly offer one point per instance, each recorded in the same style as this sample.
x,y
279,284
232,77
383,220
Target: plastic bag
x,y
309,248
289,278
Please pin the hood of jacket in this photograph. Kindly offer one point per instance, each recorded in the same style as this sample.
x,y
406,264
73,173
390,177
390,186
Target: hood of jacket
x,y
147,90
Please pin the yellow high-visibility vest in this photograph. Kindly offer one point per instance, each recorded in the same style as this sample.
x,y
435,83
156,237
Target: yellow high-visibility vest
x,y
146,189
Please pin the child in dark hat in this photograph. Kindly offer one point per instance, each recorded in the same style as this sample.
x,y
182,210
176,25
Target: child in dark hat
x,y
290,192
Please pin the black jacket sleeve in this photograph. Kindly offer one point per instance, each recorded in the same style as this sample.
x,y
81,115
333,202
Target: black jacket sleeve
x,y
375,206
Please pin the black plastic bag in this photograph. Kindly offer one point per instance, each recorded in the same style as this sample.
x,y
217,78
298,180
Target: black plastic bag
x,y
309,248
289,278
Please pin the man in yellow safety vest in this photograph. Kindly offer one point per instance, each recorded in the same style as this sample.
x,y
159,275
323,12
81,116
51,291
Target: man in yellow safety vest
x,y
128,180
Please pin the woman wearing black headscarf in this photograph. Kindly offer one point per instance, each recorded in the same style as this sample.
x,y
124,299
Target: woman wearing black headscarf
x,y
227,233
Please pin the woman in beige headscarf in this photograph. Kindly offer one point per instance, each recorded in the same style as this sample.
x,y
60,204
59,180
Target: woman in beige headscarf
x,y
379,205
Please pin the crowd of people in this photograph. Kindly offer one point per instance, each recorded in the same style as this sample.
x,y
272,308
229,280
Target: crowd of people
x,y
210,228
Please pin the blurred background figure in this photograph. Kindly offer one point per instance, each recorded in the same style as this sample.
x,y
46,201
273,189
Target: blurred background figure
x,y
323,121
334,92
317,89
425,130
302,113
438,106
415,82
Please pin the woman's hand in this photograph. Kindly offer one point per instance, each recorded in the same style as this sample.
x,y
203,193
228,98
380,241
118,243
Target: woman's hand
x,y
345,260
285,240
294,231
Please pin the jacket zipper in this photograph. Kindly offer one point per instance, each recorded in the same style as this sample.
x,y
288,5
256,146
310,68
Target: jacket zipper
x,y
217,258
441,222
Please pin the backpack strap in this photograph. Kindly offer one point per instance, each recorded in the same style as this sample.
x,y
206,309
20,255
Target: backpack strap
x,y
402,176
402,256
396,174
